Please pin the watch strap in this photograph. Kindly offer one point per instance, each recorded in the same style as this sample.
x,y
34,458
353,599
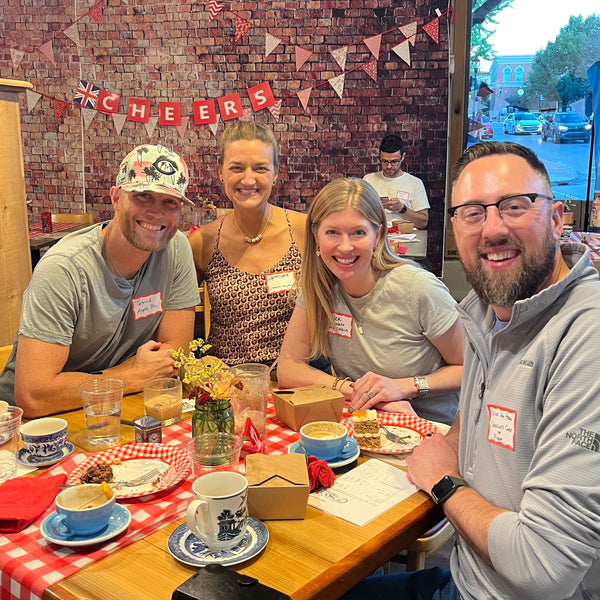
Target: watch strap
x,y
421,385
445,487
403,209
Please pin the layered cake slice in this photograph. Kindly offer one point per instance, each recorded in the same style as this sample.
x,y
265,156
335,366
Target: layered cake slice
x,y
366,428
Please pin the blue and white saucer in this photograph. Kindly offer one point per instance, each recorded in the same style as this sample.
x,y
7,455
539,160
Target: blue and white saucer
x,y
190,550
25,458
350,453
117,523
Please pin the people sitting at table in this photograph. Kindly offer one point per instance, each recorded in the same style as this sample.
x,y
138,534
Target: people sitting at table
x,y
389,327
249,258
110,300
517,474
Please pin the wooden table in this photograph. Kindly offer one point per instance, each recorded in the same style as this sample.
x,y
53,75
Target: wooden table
x,y
39,242
319,557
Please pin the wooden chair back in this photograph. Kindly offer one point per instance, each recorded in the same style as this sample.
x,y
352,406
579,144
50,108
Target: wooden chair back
x,y
83,218
204,307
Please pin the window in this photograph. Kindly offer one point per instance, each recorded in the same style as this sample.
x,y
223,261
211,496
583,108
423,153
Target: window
x,y
519,74
506,74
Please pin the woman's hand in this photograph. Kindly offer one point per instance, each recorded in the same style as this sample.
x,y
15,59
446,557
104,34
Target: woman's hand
x,y
373,390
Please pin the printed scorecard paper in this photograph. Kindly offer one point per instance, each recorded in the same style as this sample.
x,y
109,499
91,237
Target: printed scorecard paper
x,y
364,493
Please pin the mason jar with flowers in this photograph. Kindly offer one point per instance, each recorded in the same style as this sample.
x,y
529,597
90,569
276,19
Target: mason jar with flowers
x,y
210,383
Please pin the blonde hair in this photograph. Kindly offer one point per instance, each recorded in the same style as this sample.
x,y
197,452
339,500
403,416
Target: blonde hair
x,y
248,130
317,282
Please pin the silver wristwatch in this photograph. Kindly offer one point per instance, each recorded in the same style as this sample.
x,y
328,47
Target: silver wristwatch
x,y
422,386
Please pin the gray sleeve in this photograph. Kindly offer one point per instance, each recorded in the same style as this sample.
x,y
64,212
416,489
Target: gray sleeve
x,y
184,291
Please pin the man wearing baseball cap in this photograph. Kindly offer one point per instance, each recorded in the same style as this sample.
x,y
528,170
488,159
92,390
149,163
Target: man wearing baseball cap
x,y
112,299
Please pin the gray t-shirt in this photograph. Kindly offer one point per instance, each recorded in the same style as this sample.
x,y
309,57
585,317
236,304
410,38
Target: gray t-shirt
x,y
74,300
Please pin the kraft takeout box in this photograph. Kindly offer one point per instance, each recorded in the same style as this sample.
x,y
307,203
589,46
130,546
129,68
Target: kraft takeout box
x,y
297,406
278,486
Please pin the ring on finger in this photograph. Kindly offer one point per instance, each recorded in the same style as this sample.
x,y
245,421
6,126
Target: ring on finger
x,y
370,393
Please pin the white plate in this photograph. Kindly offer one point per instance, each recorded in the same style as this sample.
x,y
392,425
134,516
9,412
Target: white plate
x,y
190,550
118,522
350,454
25,458
132,460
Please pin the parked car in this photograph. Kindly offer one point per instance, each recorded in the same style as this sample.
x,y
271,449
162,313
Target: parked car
x,y
563,126
487,133
522,123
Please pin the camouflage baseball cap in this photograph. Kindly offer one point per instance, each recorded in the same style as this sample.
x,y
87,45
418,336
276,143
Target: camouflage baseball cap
x,y
154,169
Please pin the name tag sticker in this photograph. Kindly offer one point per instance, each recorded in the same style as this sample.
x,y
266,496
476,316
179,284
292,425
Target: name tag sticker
x,y
146,306
403,196
502,426
342,325
282,281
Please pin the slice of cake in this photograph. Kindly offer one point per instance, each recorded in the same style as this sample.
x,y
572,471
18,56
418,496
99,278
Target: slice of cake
x,y
366,428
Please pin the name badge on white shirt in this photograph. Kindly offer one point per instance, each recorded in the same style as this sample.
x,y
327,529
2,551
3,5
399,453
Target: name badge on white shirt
x,y
146,306
342,325
281,281
502,426
403,196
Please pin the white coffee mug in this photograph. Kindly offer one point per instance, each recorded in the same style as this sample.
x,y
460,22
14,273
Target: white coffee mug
x,y
218,514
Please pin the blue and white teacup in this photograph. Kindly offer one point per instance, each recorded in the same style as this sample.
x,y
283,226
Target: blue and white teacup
x,y
83,509
44,439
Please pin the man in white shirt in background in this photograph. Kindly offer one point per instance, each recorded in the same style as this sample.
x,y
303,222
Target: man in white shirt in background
x,y
403,195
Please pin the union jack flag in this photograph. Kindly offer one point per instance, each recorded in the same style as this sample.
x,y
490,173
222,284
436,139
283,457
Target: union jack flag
x,y
87,94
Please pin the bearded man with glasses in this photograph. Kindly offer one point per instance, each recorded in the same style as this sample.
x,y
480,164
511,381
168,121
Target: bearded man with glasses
x,y
517,474
403,195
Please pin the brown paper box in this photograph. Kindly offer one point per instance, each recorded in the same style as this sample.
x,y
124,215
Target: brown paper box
x,y
297,406
278,486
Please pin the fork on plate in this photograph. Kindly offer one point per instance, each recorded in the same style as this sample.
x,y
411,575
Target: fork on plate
x,y
145,478
394,437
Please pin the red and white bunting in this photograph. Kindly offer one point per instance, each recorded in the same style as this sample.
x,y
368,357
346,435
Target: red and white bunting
x,y
271,42
337,83
432,29
370,68
47,50
73,34
183,126
119,120
32,99
275,109
214,8
87,114
150,125
96,12
241,27
302,56
373,44
304,96
340,55
17,57
409,31
59,106
403,51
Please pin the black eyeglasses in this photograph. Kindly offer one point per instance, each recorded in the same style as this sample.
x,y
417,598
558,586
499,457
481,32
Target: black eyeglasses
x,y
392,163
511,209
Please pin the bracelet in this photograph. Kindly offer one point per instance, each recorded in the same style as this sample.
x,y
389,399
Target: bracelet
x,y
338,380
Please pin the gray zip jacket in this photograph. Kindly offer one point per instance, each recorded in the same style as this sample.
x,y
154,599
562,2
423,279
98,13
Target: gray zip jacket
x,y
530,440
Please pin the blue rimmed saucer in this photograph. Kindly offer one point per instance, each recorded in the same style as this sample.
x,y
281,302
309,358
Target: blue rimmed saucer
x,y
25,458
117,523
351,453
190,550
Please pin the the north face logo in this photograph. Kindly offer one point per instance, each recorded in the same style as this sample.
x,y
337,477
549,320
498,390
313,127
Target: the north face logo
x,y
585,438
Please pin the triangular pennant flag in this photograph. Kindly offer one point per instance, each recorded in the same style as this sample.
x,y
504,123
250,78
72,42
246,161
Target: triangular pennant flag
x,y
183,126
88,116
340,55
214,8
275,109
432,29
304,96
59,106
373,44
32,99
403,51
370,68
473,125
47,50
73,34
17,57
271,42
484,90
302,56
119,121
337,83
409,31
151,125
96,12
214,126
241,27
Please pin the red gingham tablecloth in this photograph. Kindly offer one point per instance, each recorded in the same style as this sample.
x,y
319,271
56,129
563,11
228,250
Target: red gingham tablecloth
x,y
29,564
35,229
591,240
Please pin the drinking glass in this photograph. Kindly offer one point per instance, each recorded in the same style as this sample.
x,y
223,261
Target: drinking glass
x,y
251,400
101,399
10,421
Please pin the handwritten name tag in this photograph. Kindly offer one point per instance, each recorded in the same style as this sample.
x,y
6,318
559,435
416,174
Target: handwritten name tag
x,y
342,325
146,306
502,426
281,281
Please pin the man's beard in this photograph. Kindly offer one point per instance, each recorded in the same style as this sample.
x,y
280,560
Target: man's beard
x,y
132,236
504,288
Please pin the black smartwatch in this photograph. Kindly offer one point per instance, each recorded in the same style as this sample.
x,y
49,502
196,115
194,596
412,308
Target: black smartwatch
x,y
445,487
403,209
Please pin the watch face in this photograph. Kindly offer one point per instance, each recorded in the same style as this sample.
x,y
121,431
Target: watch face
x,y
442,489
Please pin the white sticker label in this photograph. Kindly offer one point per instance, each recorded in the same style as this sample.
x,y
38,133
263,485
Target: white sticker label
x,y
342,325
403,196
502,426
146,306
282,281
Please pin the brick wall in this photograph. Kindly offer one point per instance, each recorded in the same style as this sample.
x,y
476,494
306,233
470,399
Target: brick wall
x,y
170,51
